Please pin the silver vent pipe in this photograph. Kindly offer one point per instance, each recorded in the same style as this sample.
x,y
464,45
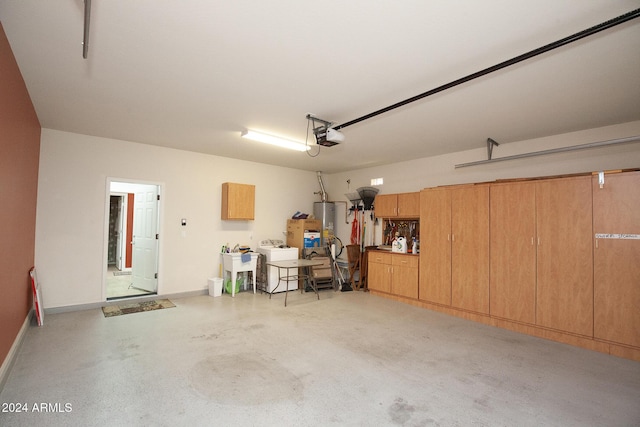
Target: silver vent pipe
x,y
324,197
322,193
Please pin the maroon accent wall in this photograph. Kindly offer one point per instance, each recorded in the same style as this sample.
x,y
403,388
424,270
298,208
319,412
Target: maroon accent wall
x,y
19,155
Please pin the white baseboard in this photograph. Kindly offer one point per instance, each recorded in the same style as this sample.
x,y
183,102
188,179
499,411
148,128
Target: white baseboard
x,y
93,305
8,362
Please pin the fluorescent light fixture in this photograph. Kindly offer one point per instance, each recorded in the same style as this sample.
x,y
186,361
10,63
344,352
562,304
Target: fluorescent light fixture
x,y
275,140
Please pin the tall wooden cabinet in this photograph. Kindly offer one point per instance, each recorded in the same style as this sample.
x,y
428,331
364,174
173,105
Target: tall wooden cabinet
x,y
553,257
541,253
513,251
616,221
470,248
564,290
454,247
435,246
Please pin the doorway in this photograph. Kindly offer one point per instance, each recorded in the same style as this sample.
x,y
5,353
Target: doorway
x,y
132,239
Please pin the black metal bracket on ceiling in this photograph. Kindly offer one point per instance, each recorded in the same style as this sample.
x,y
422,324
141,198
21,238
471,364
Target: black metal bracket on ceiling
x,y
490,144
546,48
324,124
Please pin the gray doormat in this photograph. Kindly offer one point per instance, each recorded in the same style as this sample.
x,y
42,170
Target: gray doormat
x,y
138,307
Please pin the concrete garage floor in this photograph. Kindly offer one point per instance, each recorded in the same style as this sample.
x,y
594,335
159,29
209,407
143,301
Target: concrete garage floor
x,y
349,359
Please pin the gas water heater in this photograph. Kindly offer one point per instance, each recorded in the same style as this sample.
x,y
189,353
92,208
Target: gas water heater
x,y
325,212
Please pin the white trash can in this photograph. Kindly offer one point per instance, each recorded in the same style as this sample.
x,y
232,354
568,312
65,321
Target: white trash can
x,y
215,287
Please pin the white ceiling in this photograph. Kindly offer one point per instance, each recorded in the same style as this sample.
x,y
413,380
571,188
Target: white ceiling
x,y
193,74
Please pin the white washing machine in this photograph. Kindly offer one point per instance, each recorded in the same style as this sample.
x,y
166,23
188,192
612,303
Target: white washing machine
x,y
276,250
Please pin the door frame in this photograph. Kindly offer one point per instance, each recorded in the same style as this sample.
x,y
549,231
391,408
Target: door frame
x,y
105,245
121,247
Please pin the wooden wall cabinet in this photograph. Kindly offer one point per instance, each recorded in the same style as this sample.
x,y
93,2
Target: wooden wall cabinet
x,y
403,205
238,201
454,247
616,220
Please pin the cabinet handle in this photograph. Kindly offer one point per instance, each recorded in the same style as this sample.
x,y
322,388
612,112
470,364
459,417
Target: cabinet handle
x,y
448,237
453,237
596,243
538,241
532,241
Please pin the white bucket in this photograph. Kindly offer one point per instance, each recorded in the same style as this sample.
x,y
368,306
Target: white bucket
x,y
215,287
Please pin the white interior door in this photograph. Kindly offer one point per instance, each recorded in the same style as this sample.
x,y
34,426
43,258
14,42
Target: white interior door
x,y
144,266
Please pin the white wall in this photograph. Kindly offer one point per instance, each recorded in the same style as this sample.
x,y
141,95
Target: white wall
x,y
71,211
72,196
417,174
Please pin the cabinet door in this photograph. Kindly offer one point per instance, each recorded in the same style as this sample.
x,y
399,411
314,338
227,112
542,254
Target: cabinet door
x,y
435,246
379,278
512,258
386,205
409,205
238,201
379,272
565,256
470,248
404,281
616,212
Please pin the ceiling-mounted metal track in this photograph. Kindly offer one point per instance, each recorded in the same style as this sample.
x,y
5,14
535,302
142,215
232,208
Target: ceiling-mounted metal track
x,y
570,39
85,38
553,151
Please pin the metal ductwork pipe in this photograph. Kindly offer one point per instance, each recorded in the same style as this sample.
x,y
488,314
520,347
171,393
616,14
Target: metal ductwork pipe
x,y
325,211
322,193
